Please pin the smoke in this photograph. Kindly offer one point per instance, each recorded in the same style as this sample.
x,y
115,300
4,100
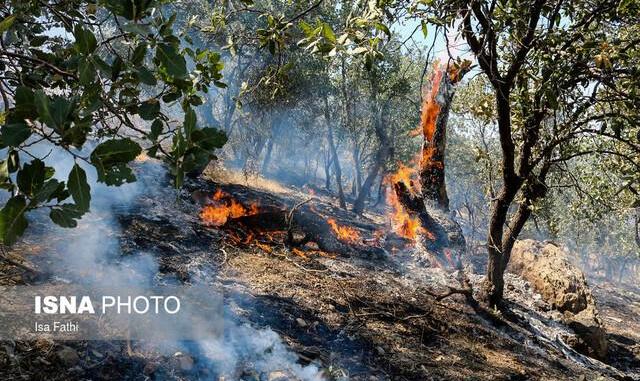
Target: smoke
x,y
90,256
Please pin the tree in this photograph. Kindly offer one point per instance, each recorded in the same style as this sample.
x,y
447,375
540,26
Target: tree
x,y
79,73
554,67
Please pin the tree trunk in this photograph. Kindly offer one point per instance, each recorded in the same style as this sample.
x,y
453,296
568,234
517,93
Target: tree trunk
x,y
433,122
358,170
328,160
267,156
500,248
384,150
334,152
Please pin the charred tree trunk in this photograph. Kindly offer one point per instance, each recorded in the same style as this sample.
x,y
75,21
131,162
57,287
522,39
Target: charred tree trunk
x,y
414,204
435,113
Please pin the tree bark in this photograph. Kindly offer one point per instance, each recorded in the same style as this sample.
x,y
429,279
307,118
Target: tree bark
x,y
384,150
334,152
435,115
267,156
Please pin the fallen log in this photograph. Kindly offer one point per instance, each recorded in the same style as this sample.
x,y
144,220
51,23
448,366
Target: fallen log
x,y
306,226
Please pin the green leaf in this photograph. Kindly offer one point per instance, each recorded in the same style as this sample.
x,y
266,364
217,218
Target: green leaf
x,y
5,182
65,215
383,28
15,133
149,109
195,160
171,60
110,160
146,76
85,40
130,9
25,107
86,71
13,161
41,101
139,53
425,31
6,23
4,171
102,65
209,138
172,96
48,191
31,177
79,188
12,219
189,123
116,68
156,129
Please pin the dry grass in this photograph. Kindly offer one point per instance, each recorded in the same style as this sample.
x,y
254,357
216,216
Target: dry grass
x,y
219,174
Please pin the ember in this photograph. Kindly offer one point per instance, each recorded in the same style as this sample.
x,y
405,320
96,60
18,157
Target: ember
x,y
223,207
344,233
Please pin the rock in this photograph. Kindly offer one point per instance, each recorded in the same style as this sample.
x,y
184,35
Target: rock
x,y
301,323
281,375
250,375
589,329
564,287
68,356
550,273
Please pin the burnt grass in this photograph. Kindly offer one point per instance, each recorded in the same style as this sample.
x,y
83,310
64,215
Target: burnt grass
x,y
360,316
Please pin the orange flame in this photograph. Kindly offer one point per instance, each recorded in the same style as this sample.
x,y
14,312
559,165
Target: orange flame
x,y
223,208
430,108
404,224
344,233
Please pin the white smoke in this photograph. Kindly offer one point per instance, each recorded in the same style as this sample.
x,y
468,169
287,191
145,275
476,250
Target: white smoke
x,y
90,255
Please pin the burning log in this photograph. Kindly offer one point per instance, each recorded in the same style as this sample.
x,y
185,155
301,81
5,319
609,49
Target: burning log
x,y
223,207
297,226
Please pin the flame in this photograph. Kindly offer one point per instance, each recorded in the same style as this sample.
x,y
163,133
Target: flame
x,y
299,253
430,108
266,248
403,223
224,207
344,233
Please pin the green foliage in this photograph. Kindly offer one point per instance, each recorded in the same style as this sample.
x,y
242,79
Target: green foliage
x,y
105,73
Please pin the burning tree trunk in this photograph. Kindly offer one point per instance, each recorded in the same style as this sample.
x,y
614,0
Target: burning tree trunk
x,y
433,122
411,217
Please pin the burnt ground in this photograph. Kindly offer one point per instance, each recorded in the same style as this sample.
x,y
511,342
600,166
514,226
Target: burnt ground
x,y
355,317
